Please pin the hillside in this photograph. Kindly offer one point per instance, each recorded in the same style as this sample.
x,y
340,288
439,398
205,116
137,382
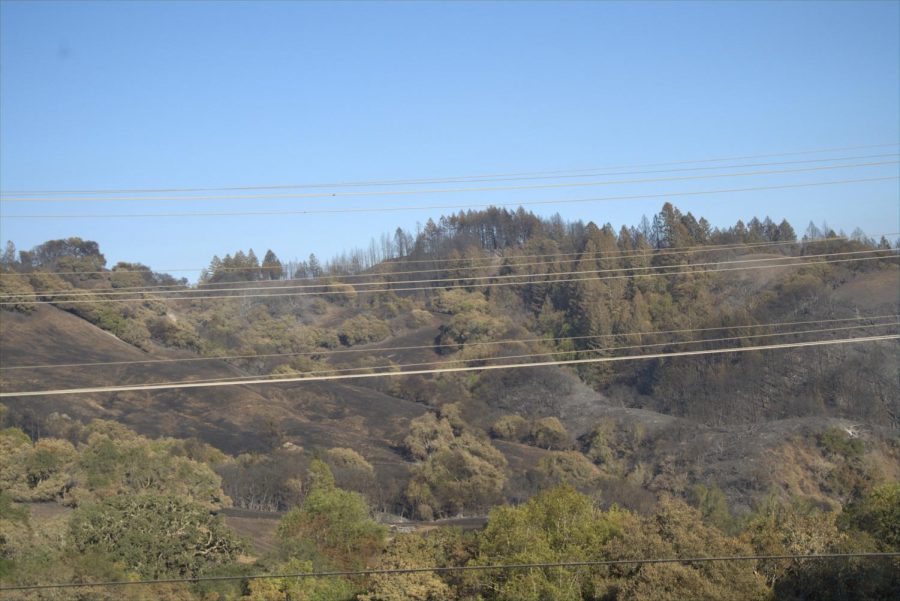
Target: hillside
x,y
629,431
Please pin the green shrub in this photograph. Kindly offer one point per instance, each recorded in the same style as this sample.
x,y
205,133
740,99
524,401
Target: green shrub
x,y
549,433
362,329
458,300
510,427
418,318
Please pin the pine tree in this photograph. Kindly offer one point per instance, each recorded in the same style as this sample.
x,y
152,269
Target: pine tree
x,y
812,232
272,267
252,272
784,232
315,269
8,260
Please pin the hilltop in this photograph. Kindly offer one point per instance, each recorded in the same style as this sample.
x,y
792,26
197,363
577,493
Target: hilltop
x,y
751,424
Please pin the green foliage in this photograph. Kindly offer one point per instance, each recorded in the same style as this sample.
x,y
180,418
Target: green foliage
x,y
332,527
510,427
175,334
362,329
113,461
410,551
779,528
458,471
851,475
452,412
418,318
839,442
677,530
877,513
340,293
471,326
35,472
869,523
567,467
352,471
155,535
713,507
14,529
556,525
601,443
549,433
299,589
15,288
427,434
459,300
348,458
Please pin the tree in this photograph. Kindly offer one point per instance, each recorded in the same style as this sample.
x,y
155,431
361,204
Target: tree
x,y
332,528
457,472
784,232
671,231
549,433
644,227
70,255
567,467
272,269
8,260
705,231
779,528
402,242
315,269
867,524
755,231
510,427
410,551
877,512
299,589
676,530
556,525
155,535
713,507
812,232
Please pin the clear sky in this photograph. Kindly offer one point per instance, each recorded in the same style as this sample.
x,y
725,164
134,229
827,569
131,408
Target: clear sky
x,y
170,94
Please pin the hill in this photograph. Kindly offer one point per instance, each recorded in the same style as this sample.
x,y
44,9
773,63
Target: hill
x,y
751,424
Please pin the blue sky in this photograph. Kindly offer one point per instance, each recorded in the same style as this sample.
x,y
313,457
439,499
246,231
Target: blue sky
x,y
107,95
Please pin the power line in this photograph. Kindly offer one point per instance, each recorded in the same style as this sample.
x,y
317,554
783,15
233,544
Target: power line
x,y
342,292
492,260
522,175
254,381
465,568
348,370
467,344
440,207
331,195
279,285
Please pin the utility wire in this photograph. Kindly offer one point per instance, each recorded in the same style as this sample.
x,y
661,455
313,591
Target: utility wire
x,y
27,198
279,285
506,188
439,346
440,207
446,569
445,287
452,179
374,368
382,278
492,261
191,292
254,381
